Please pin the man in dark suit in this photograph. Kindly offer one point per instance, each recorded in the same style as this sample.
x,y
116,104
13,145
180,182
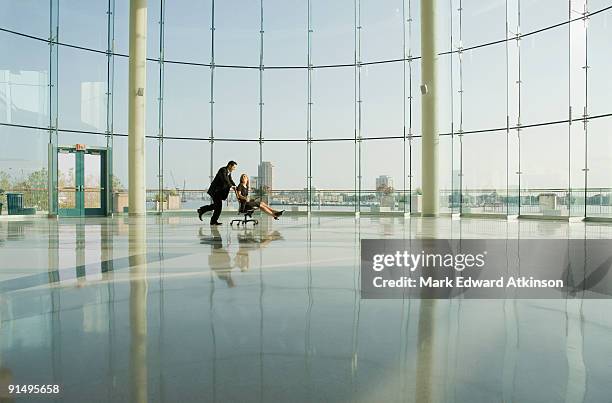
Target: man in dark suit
x,y
218,191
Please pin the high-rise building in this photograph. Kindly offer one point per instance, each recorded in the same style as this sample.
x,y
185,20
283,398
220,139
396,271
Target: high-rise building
x,y
264,174
384,182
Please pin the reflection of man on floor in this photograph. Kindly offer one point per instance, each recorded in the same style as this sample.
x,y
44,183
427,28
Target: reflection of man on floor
x,y
218,259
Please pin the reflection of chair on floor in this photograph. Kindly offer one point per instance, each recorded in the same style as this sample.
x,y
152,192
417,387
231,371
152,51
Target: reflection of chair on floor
x,y
248,214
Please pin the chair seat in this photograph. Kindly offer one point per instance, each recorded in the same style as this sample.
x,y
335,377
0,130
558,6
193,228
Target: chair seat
x,y
247,218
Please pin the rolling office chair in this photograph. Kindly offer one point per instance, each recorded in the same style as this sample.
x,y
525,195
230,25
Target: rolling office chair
x,y
248,213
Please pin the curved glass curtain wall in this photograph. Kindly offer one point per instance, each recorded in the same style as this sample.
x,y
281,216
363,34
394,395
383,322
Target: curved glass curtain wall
x,y
328,92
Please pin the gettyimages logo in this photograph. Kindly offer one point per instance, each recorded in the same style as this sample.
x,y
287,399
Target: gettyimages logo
x,y
412,262
477,268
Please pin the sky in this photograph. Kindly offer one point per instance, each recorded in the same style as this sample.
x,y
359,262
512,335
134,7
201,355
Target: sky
x,y
552,78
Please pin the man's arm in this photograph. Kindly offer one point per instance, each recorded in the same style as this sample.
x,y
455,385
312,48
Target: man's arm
x,y
227,179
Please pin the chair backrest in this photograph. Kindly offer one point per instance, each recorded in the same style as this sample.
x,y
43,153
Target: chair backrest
x,y
242,206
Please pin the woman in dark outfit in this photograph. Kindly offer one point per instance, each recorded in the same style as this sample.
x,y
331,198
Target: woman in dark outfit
x,y
242,193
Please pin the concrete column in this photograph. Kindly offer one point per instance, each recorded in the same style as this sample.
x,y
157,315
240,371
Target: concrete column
x,y
430,140
136,101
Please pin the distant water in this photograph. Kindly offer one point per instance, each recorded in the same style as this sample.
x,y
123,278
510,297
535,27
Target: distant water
x,y
195,204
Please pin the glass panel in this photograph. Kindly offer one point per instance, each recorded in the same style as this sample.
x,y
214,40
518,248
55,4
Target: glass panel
x,y
414,174
236,104
187,30
599,196
333,36
414,121
544,178
577,165
24,80
544,90
445,92
600,62
382,178
25,16
381,96
445,174
82,90
288,173
537,14
333,108
482,22
186,174
484,174
84,23
484,88
237,38
66,182
186,101
286,24
286,99
92,175
334,182
23,165
381,33
577,62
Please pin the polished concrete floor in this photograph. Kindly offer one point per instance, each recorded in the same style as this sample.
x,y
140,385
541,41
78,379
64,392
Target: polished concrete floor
x,y
169,309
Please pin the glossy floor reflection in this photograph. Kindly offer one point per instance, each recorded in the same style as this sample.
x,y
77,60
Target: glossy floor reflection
x,y
167,309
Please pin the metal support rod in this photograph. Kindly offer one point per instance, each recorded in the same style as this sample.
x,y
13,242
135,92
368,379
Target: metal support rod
x,y
410,103
518,119
452,111
460,56
309,112
110,74
357,33
404,103
507,50
212,90
160,111
261,70
52,198
137,106
586,103
569,100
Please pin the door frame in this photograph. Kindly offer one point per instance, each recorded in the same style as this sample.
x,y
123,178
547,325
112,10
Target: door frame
x,y
80,210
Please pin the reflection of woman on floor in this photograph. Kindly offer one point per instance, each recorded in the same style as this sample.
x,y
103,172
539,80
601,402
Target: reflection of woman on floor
x,y
242,193
245,245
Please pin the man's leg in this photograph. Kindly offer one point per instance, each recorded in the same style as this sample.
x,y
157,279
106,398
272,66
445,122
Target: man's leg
x,y
218,205
204,209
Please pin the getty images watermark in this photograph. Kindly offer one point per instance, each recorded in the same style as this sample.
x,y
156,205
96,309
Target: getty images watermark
x,y
480,268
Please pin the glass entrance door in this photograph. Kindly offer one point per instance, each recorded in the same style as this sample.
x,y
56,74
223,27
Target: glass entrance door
x,y
81,182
